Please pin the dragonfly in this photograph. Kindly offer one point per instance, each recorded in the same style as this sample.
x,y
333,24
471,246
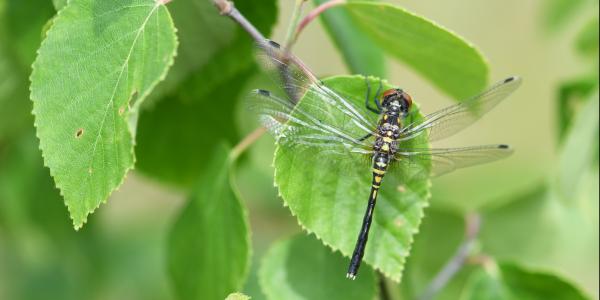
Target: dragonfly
x,y
311,115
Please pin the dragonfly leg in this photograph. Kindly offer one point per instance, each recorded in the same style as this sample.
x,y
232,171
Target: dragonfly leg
x,y
377,96
365,137
377,109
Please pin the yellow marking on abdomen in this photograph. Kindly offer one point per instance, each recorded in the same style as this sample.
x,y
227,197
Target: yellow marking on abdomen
x,y
377,179
374,194
387,139
385,147
375,186
378,172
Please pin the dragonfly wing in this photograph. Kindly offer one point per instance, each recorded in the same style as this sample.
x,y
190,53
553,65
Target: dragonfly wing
x,y
297,81
293,126
420,163
448,121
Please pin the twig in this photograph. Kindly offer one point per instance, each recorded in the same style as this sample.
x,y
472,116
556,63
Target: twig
x,y
247,142
226,8
472,226
314,14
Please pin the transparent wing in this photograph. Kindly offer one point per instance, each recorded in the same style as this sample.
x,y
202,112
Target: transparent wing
x,y
297,81
294,126
421,163
448,121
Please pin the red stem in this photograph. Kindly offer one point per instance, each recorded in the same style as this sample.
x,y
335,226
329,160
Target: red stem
x,y
315,13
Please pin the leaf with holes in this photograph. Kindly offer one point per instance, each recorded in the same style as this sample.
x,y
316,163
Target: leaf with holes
x,y
99,61
328,193
454,65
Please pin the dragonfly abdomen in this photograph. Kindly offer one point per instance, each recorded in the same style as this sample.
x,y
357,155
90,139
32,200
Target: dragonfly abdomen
x,y
380,165
384,148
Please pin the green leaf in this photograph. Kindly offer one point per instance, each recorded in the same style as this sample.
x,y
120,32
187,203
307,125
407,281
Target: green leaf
x,y
557,13
440,235
176,135
361,56
209,245
502,234
14,105
301,268
24,21
508,281
204,35
237,296
328,194
587,39
20,37
452,64
94,69
571,96
579,151
536,229
59,4
22,206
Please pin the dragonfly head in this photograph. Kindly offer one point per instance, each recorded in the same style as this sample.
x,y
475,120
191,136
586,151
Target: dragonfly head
x,y
397,101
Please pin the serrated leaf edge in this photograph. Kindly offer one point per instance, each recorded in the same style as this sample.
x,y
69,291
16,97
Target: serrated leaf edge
x,y
140,99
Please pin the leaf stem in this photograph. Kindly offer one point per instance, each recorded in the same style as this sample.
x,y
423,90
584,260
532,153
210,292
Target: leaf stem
x,y
455,264
247,142
295,20
226,8
314,14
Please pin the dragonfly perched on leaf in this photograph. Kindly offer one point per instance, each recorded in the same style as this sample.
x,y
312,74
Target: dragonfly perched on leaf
x,y
311,115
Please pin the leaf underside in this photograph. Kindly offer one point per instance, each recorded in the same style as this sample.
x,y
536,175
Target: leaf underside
x,y
448,61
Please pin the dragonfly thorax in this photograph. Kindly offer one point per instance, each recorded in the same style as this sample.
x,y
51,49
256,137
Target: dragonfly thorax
x,y
396,102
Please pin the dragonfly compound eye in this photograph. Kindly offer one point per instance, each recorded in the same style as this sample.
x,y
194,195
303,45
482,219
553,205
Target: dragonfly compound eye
x,y
407,99
389,93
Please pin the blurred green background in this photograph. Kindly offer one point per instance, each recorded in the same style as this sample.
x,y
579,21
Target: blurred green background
x,y
120,253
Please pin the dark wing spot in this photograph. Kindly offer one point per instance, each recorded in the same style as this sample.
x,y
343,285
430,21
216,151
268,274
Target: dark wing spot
x,y
274,44
264,93
509,79
503,146
79,133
